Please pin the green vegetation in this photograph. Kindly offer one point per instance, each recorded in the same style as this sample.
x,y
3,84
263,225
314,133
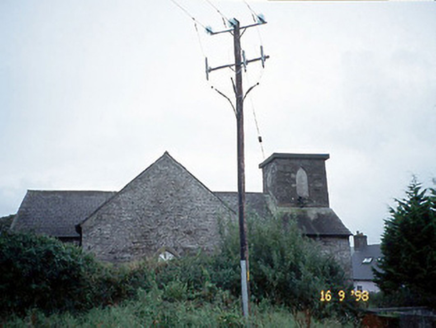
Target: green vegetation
x,y
289,269
5,223
41,272
148,310
408,275
45,283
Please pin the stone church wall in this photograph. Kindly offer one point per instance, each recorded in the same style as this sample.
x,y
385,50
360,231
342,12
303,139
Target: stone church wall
x,y
339,248
165,207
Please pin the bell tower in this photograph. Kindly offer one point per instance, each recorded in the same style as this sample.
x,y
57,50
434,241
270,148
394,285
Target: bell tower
x,y
296,180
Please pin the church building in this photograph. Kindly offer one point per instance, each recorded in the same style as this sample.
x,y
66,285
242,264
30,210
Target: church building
x,y
166,211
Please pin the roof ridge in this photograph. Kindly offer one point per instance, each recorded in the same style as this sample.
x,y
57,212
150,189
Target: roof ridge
x,y
64,190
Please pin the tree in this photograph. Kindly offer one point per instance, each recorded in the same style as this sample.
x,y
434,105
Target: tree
x,y
408,268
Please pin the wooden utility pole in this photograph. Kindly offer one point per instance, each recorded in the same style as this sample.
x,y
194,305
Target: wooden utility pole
x,y
239,112
245,271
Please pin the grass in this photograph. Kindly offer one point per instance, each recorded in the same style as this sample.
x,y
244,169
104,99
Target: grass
x,y
150,310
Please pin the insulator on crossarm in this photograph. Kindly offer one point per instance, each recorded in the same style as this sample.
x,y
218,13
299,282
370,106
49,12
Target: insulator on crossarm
x,y
262,57
261,19
209,30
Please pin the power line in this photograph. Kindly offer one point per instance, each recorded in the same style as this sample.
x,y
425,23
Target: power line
x,y
256,17
259,136
187,13
224,17
199,40
250,7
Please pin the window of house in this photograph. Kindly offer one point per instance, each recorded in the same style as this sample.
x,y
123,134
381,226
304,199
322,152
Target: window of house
x,y
367,260
359,287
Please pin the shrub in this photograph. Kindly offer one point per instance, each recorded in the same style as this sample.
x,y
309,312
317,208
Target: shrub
x,y
286,268
38,271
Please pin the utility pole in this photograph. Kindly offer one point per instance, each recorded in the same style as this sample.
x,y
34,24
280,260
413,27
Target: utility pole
x,y
239,112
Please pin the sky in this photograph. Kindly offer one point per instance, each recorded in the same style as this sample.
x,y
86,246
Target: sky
x,y
93,92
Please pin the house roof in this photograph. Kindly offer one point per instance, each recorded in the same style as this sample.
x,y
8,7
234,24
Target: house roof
x,y
56,213
255,201
362,270
317,221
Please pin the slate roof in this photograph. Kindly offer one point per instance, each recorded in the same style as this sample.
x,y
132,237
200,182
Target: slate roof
x,y
254,201
362,271
56,213
317,221
313,221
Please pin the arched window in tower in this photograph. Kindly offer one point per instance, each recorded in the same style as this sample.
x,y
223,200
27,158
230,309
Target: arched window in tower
x,y
302,183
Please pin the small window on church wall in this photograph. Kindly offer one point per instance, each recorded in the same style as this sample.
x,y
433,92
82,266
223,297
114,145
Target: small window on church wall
x,y
165,256
302,183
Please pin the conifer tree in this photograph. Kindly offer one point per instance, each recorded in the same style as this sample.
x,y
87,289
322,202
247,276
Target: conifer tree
x,y
408,268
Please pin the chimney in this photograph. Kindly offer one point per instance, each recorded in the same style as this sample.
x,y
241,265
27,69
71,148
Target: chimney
x,y
360,241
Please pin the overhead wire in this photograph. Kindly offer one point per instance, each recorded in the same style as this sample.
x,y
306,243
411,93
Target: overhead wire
x,y
259,136
187,13
225,20
224,17
255,15
250,7
199,40
196,22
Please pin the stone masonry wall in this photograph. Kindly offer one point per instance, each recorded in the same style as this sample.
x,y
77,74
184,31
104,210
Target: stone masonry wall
x,y
279,181
339,247
164,207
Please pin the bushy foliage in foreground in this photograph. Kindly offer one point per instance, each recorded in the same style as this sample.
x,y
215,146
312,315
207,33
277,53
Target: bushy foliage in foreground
x,y
41,272
287,270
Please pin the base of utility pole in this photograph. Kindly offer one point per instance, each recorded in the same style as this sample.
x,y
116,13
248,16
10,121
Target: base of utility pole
x,y
244,284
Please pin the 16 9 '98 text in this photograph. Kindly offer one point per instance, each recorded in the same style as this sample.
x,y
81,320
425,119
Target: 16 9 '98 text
x,y
359,296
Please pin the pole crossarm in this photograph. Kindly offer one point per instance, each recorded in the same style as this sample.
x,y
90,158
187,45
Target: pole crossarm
x,y
211,69
232,29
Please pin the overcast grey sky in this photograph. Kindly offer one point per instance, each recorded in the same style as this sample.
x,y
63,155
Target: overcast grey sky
x,y
93,92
